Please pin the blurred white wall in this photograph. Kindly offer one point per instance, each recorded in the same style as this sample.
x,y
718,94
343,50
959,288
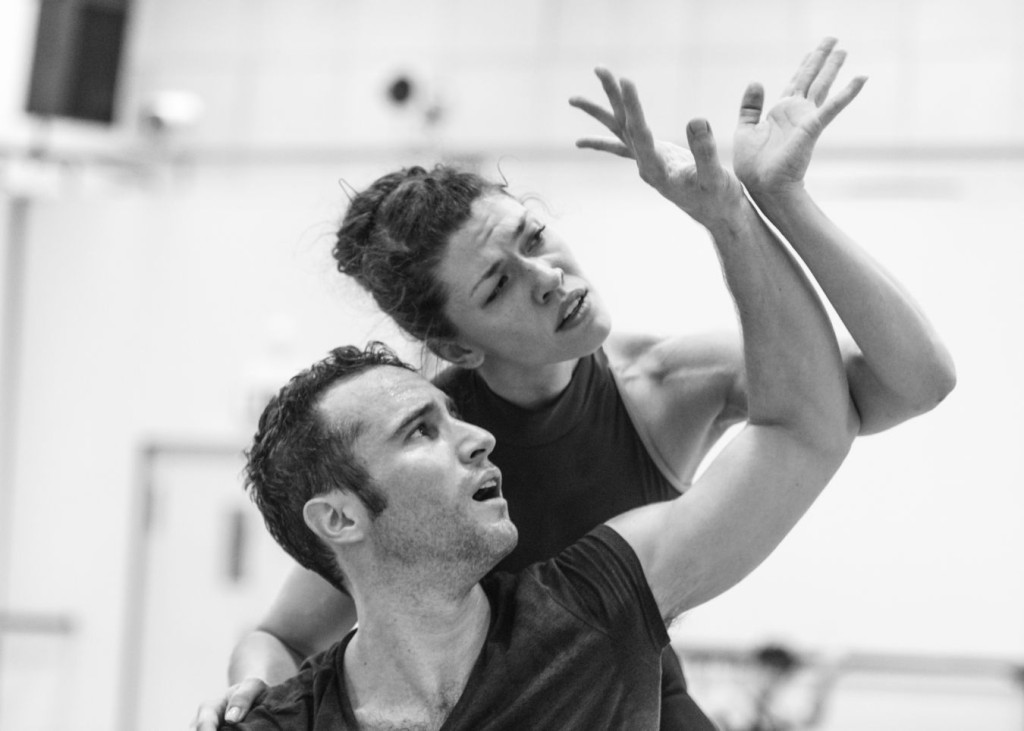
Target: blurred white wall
x,y
309,75
156,286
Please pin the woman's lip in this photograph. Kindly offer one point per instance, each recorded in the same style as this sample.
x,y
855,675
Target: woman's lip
x,y
576,306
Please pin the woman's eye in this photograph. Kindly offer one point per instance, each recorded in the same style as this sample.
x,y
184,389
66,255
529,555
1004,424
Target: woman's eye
x,y
536,241
502,280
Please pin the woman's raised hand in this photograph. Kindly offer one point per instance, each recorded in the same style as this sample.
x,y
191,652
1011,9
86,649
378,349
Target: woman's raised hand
x,y
773,152
694,179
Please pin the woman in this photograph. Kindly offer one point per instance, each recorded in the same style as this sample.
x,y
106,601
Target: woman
x,y
589,424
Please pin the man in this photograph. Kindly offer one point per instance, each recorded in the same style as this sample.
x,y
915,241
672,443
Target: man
x,y
364,475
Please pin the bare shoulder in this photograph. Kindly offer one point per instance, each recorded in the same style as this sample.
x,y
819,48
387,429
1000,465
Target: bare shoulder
x,y
683,393
662,359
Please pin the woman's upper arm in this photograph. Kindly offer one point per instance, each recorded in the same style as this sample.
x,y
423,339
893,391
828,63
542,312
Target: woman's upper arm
x,y
308,614
683,393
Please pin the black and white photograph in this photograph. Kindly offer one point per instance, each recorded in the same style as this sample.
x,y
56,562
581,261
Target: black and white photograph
x,y
551,365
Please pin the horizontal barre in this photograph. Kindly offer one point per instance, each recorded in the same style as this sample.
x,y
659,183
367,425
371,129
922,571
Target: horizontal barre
x,y
42,623
861,661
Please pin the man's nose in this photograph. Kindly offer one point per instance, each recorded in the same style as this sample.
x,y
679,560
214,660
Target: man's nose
x,y
477,443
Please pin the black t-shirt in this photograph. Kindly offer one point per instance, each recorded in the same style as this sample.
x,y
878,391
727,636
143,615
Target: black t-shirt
x,y
574,643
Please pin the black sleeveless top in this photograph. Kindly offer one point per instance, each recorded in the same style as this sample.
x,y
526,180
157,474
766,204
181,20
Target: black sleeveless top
x,y
566,467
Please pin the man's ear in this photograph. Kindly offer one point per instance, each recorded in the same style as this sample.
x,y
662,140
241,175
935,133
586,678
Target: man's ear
x,y
460,355
336,517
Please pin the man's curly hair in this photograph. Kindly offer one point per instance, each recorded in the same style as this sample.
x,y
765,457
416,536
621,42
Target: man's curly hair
x,y
297,455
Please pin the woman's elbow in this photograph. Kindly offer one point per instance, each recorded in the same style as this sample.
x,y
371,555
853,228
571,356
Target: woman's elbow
x,y
945,380
847,430
935,384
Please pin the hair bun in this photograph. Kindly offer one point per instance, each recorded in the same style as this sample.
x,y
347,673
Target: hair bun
x,y
394,235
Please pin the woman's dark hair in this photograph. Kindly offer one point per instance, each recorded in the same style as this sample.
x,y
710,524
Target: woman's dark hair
x,y
394,235
296,455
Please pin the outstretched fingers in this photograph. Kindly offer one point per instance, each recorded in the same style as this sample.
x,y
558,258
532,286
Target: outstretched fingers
x,y
637,131
611,89
791,86
605,144
819,88
837,103
596,111
808,70
614,120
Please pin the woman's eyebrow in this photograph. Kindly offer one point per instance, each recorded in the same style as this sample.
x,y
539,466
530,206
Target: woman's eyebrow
x,y
520,227
487,275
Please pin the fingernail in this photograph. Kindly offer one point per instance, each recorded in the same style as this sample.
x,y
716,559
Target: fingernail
x,y
233,713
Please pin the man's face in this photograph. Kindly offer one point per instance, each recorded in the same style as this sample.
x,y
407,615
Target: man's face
x,y
443,495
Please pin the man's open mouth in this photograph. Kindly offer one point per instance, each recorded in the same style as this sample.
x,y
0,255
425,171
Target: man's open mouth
x,y
490,490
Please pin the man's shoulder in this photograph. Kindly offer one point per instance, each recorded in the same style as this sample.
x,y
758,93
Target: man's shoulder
x,y
596,579
569,627
586,553
300,700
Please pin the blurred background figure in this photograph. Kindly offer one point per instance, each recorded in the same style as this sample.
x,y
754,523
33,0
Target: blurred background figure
x,y
775,690
167,215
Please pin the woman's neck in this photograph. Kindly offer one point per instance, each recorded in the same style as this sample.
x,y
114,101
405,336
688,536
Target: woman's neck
x,y
530,387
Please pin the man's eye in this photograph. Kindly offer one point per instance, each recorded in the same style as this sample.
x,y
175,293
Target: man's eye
x,y
424,430
502,280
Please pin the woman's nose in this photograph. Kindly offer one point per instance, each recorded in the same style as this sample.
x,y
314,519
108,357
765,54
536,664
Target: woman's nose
x,y
547,280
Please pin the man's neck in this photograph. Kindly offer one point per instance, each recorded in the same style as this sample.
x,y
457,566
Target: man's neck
x,y
407,666
528,388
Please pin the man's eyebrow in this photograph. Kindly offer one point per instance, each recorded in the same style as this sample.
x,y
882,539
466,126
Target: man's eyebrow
x,y
520,227
414,416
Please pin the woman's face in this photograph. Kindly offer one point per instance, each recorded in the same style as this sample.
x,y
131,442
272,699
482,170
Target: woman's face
x,y
515,292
